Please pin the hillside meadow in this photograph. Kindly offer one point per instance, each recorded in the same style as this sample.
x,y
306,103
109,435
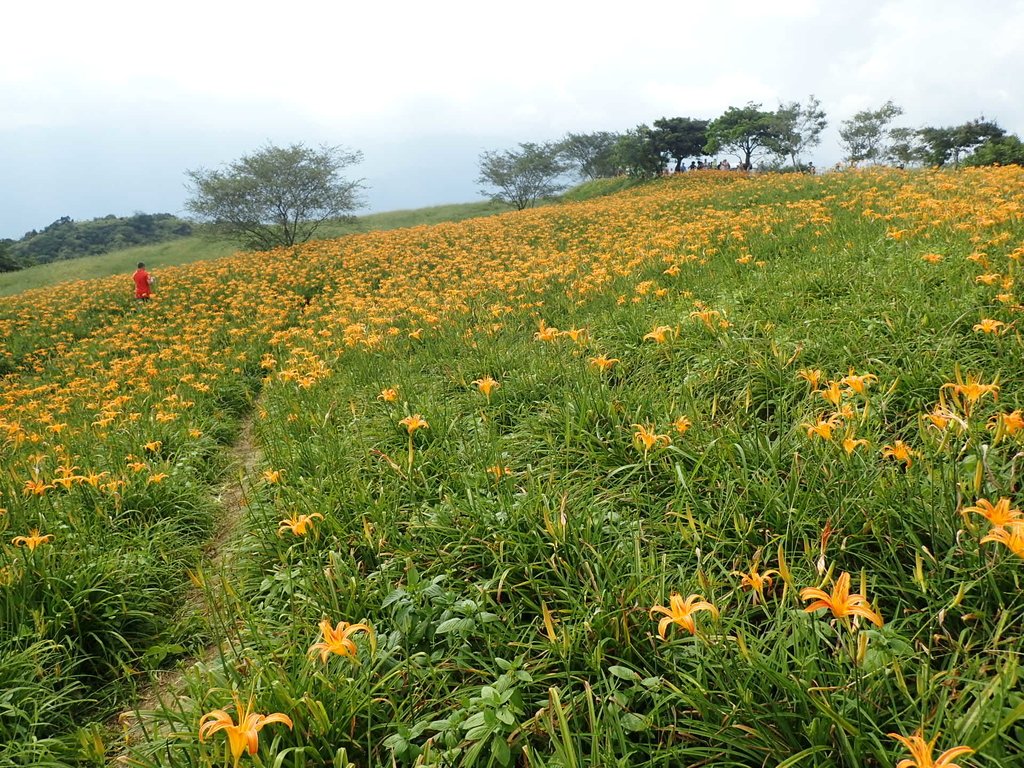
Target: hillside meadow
x,y
719,470
199,247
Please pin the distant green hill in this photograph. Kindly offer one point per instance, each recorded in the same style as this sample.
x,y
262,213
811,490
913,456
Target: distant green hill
x,y
69,239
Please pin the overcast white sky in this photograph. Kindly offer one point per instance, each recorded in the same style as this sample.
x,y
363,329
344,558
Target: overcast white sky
x,y
106,103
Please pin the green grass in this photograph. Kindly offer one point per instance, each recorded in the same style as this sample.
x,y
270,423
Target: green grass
x,y
588,190
413,217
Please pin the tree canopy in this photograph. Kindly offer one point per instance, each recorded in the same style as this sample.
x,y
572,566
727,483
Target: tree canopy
x,y
524,176
1001,150
680,138
798,128
590,154
638,154
867,135
744,130
944,145
276,196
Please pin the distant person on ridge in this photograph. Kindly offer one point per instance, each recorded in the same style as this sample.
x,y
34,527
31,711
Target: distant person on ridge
x,y
143,283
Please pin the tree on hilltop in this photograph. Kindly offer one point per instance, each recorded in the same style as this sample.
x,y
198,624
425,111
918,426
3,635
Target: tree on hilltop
x,y
943,145
638,153
744,130
680,137
1002,150
524,176
799,128
590,154
866,136
276,196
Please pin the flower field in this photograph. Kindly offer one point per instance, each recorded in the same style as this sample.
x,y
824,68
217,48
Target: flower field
x,y
720,470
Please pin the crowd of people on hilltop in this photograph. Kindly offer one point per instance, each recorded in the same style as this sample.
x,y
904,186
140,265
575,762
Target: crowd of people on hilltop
x,y
724,165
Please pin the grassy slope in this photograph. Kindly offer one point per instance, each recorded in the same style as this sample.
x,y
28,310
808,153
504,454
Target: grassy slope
x,y
533,594
197,248
159,255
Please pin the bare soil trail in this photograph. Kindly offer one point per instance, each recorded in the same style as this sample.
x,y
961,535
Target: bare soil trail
x,y
207,595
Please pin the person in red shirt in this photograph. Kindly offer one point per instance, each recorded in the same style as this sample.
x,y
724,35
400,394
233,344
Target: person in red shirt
x,y
143,283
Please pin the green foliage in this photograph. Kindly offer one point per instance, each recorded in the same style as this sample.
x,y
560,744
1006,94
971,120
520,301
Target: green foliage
x,y
680,137
638,153
942,145
906,147
1002,150
799,128
7,261
744,130
522,177
591,154
276,196
866,136
69,239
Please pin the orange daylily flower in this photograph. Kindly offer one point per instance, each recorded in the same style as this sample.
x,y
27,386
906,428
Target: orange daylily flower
x,y
832,393
413,423
33,540
93,478
932,258
243,735
850,444
645,436
299,525
681,612
822,428
272,476
487,385
682,424
940,417
546,333
967,393
990,325
858,383
603,363
1012,537
899,451
998,514
388,395
840,602
755,580
921,752
337,639
36,487
708,317
811,375
1006,423
660,334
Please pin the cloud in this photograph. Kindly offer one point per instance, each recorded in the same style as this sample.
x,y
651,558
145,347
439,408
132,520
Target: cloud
x,y
122,88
